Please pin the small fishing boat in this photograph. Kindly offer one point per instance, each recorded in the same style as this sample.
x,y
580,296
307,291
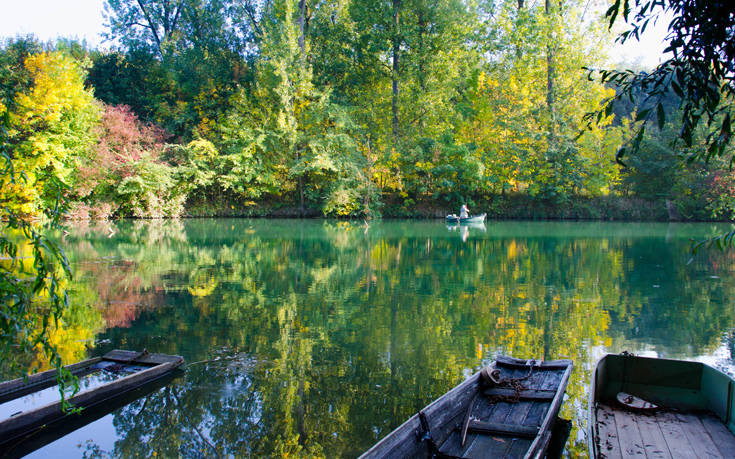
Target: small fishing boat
x,y
474,219
507,410
26,404
649,407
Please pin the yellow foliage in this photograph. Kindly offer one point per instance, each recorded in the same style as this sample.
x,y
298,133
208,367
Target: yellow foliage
x,y
512,250
50,126
71,342
203,288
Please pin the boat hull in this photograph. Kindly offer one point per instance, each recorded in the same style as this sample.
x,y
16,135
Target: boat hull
x,y
147,368
476,219
689,413
493,423
64,425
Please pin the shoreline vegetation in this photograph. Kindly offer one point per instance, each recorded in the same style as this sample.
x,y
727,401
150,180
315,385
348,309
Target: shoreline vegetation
x,y
508,207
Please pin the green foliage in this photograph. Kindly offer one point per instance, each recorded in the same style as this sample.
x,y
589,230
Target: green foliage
x,y
447,172
153,192
525,105
699,73
134,79
182,60
301,137
125,173
15,76
659,169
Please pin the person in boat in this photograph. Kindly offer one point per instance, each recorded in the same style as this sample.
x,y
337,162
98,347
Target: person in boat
x,y
464,212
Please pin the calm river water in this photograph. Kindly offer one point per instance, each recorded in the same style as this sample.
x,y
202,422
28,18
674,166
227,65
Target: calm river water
x,y
320,337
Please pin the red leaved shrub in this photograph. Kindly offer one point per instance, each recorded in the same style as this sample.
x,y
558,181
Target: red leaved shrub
x,y
124,142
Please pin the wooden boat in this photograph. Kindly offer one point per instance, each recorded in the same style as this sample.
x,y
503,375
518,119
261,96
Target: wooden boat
x,y
117,372
474,219
507,410
663,408
63,426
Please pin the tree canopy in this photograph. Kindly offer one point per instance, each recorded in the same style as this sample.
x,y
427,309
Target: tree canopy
x,y
360,108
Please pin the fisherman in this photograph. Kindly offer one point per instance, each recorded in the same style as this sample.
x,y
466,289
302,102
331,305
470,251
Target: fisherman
x,y
464,212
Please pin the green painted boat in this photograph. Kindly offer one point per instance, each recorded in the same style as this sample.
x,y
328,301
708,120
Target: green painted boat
x,y
648,407
474,219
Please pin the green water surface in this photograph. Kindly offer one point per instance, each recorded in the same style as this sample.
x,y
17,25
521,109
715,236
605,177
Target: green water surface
x,y
317,338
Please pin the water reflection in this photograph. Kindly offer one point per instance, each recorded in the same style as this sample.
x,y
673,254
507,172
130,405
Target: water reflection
x,y
317,338
464,229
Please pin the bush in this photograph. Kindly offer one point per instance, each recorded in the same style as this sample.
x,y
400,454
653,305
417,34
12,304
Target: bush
x,y
125,175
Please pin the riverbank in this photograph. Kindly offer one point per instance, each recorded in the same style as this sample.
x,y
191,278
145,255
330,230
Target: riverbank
x,y
510,206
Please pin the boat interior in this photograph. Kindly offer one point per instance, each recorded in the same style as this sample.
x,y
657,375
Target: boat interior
x,y
505,421
661,408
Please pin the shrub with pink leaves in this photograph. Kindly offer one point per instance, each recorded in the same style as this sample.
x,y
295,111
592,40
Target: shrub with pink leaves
x,y
125,170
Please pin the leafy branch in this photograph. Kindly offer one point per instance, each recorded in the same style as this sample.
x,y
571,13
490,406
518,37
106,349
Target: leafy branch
x,y
701,72
31,299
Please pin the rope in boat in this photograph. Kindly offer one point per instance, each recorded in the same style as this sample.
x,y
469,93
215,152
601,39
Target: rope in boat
x,y
510,383
492,379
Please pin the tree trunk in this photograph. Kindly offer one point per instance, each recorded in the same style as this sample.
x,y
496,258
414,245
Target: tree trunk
x,y
548,318
302,21
422,22
368,175
550,71
395,72
302,46
519,46
301,412
168,21
152,27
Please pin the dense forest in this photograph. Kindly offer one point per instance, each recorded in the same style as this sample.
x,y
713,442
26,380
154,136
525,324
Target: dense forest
x,y
340,108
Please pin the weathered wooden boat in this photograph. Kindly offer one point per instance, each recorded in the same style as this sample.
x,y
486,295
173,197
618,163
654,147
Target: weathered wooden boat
x,y
474,219
112,375
507,410
660,408
63,426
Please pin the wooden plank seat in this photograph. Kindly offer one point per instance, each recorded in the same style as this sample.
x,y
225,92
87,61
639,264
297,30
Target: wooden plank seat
x,y
527,394
510,362
124,356
497,428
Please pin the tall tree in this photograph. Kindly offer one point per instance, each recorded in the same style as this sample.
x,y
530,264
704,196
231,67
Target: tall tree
x,y
148,23
191,54
550,70
45,126
396,40
50,129
527,107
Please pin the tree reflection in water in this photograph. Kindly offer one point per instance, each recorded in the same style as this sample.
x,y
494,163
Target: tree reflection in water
x,y
314,338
